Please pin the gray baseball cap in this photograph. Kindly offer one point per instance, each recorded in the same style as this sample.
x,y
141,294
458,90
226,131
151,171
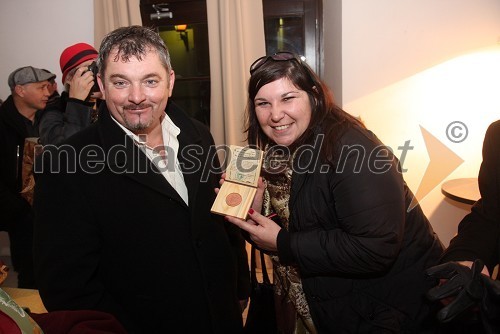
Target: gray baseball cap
x,y
28,74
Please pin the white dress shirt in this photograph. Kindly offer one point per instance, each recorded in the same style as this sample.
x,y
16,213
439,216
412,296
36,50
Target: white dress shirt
x,y
164,158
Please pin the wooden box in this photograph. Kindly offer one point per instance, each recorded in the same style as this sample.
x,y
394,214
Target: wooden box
x,y
236,194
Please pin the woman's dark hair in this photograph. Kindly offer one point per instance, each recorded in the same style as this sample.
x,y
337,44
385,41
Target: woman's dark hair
x,y
326,118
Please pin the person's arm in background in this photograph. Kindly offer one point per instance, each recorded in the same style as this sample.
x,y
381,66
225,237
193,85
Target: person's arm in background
x,y
62,119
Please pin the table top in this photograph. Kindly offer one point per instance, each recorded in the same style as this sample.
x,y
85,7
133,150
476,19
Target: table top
x,y
464,190
26,298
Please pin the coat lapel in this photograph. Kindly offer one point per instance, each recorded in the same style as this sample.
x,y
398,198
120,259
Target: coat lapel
x,y
124,157
189,137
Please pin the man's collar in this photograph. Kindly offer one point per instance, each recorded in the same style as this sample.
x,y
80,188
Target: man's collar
x,y
142,139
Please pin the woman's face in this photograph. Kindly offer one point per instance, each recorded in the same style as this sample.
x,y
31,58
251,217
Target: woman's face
x,y
283,111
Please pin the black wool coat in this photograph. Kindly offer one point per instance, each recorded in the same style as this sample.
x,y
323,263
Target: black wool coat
x,y
111,234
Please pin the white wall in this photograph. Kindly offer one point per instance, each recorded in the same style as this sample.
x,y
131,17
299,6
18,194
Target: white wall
x,y
408,64
35,32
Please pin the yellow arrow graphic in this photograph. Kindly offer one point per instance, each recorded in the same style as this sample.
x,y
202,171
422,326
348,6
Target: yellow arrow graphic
x,y
442,162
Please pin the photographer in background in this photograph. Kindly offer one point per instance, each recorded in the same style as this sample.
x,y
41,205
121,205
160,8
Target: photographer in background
x,y
76,108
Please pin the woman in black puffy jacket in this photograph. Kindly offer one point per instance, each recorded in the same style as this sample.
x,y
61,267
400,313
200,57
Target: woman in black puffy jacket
x,y
350,249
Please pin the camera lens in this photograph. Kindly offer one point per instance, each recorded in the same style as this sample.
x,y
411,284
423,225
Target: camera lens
x,y
93,68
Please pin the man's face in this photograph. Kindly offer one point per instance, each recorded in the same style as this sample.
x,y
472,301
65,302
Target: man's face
x,y
52,87
136,92
35,95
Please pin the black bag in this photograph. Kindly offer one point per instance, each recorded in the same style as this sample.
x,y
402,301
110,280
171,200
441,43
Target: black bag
x,y
261,317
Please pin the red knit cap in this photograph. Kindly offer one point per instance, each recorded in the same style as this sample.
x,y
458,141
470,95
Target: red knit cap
x,y
74,55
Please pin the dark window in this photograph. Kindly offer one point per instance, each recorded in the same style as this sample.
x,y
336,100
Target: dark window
x,y
186,35
288,24
292,25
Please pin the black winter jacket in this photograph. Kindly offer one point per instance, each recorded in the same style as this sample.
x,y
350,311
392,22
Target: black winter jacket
x,y
361,254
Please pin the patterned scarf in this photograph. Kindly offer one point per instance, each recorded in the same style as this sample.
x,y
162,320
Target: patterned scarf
x,y
288,285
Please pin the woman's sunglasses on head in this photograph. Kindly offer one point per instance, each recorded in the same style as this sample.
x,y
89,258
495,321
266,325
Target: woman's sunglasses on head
x,y
278,56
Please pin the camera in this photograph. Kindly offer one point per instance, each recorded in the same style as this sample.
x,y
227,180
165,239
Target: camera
x,y
93,68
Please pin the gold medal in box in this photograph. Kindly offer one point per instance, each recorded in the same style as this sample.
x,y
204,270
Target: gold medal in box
x,y
236,194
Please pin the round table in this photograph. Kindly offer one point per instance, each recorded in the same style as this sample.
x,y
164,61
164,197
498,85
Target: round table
x,y
464,190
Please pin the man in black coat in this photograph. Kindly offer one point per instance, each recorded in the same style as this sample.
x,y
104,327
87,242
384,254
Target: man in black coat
x,y
123,222
18,121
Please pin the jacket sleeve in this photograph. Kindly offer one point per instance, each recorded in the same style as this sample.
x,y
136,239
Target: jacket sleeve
x,y
479,231
360,229
56,125
67,280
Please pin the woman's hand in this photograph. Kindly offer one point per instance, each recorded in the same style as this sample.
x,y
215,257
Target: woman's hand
x,y
262,230
259,195
221,181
